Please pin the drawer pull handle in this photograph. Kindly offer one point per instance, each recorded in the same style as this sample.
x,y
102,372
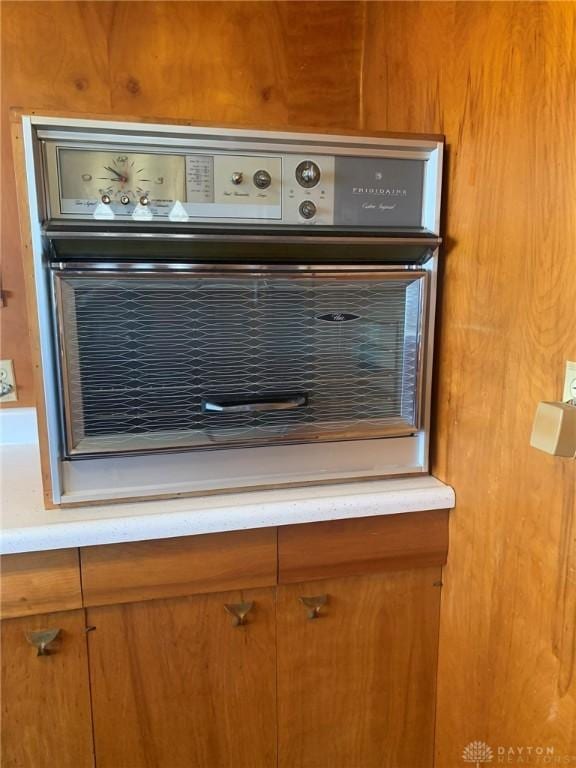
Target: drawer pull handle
x,y
314,604
239,611
42,639
243,405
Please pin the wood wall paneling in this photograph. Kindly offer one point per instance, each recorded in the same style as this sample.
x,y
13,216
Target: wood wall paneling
x,y
267,64
499,79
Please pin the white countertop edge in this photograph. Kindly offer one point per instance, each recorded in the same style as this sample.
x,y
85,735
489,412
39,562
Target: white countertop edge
x,y
170,524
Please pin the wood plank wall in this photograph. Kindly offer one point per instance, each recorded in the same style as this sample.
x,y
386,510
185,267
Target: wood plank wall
x,y
499,79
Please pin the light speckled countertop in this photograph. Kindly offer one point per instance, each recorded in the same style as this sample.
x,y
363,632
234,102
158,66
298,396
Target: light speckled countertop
x,y
26,526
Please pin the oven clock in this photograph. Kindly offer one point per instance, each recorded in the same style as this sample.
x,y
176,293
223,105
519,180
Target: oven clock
x,y
121,177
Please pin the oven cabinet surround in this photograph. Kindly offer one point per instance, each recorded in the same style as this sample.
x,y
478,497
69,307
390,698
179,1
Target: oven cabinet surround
x,y
151,666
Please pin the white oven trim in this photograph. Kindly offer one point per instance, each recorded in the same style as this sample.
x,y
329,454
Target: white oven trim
x,y
180,474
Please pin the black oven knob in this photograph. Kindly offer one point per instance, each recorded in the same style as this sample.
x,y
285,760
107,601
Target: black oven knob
x,y
262,179
307,174
307,209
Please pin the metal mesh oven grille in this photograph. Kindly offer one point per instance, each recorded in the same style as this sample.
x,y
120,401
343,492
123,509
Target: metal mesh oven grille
x,y
144,354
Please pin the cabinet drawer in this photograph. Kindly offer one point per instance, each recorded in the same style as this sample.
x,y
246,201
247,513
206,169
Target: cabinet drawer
x,y
40,582
362,545
144,570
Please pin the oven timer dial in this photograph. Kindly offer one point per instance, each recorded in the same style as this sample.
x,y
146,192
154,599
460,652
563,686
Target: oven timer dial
x,y
307,174
307,209
262,179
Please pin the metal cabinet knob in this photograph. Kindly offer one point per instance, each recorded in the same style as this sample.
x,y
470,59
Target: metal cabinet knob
x,y
42,639
239,611
314,604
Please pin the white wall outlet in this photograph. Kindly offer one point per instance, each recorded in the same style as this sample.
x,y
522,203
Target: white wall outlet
x,y
570,382
7,382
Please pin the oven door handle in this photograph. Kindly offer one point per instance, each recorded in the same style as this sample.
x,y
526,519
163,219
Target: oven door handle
x,y
241,405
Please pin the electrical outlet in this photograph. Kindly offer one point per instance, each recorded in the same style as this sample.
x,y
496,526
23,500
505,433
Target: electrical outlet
x,y
7,382
569,382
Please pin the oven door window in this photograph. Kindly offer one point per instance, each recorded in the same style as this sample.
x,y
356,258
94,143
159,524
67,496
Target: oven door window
x,y
184,361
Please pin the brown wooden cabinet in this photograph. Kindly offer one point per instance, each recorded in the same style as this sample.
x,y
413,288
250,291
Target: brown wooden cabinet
x,y
176,685
356,685
154,671
46,699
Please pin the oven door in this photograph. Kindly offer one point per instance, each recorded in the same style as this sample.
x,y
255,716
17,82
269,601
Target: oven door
x,y
173,357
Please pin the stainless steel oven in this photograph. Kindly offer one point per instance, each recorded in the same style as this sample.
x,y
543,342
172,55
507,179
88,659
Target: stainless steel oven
x,y
230,309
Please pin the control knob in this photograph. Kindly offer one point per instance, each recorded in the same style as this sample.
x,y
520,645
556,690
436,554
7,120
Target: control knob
x,y
262,179
307,174
307,209
124,199
237,177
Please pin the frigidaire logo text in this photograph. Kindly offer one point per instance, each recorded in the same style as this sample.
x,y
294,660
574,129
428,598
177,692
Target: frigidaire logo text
x,y
383,191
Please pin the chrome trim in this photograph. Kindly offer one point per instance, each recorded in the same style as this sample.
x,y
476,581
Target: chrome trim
x,y
431,240
177,144
232,146
431,267
47,125
410,275
58,354
63,365
159,269
384,433
227,405
420,340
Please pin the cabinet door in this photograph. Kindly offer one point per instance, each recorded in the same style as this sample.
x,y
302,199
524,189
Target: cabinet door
x,y
46,699
176,685
356,685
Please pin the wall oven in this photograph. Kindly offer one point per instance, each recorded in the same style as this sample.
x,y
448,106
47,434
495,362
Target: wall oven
x,y
222,309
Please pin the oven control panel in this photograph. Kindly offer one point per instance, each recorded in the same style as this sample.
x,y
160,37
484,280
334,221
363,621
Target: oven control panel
x,y
298,188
